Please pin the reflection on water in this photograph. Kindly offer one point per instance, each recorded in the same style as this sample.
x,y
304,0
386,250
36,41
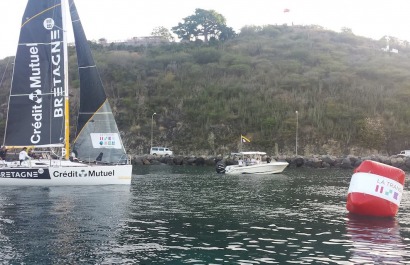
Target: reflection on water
x,y
58,225
191,215
376,240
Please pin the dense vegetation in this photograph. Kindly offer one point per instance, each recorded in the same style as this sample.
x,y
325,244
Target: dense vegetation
x,y
351,96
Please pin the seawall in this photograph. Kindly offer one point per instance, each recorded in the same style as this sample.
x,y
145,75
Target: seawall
x,y
315,161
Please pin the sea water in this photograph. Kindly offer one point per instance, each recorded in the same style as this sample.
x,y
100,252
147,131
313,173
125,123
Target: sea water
x,y
191,215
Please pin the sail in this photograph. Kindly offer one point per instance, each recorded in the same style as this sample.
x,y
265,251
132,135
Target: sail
x,y
36,104
98,138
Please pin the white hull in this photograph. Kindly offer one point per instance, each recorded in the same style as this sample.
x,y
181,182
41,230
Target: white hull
x,y
263,168
61,172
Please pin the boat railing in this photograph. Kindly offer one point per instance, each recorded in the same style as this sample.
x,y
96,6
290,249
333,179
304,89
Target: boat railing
x,y
123,160
47,157
3,163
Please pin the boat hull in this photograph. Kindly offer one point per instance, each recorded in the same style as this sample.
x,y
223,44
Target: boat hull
x,y
79,174
258,169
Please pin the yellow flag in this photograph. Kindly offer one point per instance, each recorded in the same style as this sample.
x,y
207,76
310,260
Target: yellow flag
x,y
244,139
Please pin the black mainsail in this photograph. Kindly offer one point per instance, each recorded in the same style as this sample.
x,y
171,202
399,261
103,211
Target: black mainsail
x,y
97,137
36,115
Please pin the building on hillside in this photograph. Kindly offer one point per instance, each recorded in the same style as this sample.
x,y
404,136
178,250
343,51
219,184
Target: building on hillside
x,y
146,41
136,41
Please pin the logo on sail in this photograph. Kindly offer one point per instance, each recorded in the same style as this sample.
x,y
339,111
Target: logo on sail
x,y
35,84
36,96
48,23
106,140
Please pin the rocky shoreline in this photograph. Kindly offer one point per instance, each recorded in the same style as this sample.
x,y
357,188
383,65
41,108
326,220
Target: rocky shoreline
x,y
316,161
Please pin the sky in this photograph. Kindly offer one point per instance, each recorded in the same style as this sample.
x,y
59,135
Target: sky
x,y
124,19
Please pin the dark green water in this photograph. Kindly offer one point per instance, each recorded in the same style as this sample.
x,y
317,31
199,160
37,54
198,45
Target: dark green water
x,y
191,215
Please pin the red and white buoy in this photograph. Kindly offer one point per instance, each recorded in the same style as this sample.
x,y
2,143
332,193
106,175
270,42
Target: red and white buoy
x,y
375,190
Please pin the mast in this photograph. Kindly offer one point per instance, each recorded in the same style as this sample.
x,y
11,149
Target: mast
x,y
66,96
8,106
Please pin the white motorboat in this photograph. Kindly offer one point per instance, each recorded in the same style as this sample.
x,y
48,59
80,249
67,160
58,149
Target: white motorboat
x,y
252,163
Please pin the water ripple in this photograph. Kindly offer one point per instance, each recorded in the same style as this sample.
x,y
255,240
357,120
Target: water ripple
x,y
176,215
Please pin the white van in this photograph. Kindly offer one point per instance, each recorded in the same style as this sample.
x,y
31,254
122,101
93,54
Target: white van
x,y
404,153
160,151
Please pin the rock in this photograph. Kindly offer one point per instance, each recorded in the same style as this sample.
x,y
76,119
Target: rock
x,y
326,165
331,161
353,159
316,162
299,161
178,160
155,162
357,163
385,160
397,162
210,162
169,161
137,162
190,161
346,163
200,161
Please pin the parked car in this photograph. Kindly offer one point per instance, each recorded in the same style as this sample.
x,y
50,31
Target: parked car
x,y
160,151
404,153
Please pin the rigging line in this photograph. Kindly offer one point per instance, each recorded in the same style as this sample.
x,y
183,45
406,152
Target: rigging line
x,y
37,43
4,73
93,113
45,10
42,94
90,66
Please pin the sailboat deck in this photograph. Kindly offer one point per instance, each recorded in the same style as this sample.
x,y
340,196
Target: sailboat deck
x,y
40,163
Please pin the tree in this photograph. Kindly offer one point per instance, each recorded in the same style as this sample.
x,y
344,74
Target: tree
x,y
347,30
226,33
204,24
162,32
102,41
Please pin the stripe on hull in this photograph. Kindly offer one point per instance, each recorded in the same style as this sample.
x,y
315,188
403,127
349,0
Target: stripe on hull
x,y
53,176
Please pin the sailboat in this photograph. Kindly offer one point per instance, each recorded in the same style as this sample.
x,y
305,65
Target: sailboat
x,y
38,110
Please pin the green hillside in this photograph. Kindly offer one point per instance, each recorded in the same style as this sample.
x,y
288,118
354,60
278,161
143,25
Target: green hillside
x,y
351,96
